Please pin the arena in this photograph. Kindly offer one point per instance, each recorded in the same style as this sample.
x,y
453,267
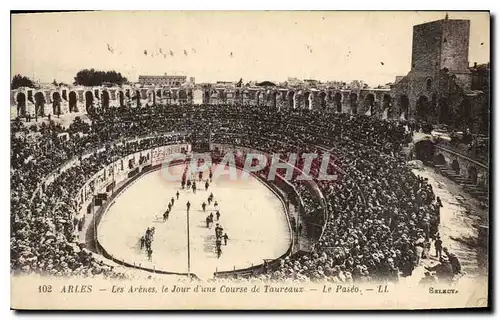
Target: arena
x,y
80,205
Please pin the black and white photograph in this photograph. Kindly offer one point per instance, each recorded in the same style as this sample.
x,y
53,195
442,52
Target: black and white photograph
x,y
333,160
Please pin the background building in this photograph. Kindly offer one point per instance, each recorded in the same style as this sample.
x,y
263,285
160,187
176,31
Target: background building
x,y
164,80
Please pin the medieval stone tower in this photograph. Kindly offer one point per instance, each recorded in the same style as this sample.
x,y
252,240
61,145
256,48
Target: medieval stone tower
x,y
438,85
442,44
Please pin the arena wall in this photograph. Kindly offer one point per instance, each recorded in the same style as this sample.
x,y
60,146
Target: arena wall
x,y
122,179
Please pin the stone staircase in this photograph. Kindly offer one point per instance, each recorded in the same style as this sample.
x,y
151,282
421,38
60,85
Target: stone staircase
x,y
480,193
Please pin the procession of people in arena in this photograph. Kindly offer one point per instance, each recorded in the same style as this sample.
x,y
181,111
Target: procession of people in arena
x,y
380,219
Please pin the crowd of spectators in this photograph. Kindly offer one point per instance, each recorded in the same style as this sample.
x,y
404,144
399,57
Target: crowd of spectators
x,y
370,217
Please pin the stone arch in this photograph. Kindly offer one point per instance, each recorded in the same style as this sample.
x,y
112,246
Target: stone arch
x,y
121,98
472,174
73,99
329,96
307,100
387,105
89,101
150,95
167,95
158,93
353,101
404,106
284,95
182,95
422,108
206,96
56,103
338,101
274,99
455,165
444,111
369,104
322,100
291,99
261,97
21,104
143,94
138,98
424,151
39,103
219,95
439,159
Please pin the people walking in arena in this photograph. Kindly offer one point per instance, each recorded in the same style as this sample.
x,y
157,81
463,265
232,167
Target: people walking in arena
x,y
206,185
216,205
172,201
217,215
177,194
225,237
188,205
218,230
203,206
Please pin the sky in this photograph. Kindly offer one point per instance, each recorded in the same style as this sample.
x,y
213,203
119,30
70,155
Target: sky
x,y
228,45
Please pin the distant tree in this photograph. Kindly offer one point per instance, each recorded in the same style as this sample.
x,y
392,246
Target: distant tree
x,y
94,77
21,81
54,83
